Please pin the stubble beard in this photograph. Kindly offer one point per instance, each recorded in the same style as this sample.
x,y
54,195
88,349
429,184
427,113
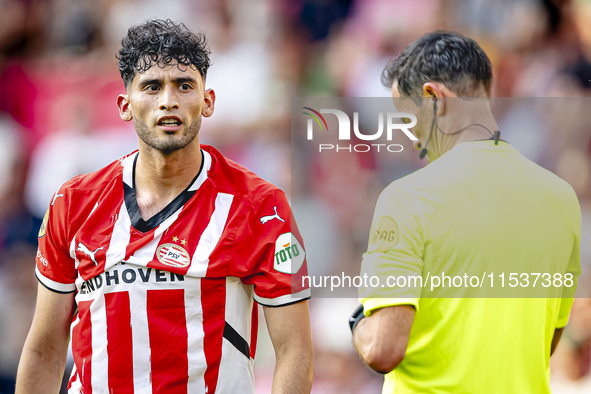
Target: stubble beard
x,y
169,143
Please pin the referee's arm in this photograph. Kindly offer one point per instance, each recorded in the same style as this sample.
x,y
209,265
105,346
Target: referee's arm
x,y
381,338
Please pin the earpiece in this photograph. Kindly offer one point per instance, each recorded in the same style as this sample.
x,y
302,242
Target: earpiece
x,y
423,153
424,150
496,135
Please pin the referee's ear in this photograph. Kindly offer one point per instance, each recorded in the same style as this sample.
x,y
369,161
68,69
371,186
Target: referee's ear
x,y
124,107
438,93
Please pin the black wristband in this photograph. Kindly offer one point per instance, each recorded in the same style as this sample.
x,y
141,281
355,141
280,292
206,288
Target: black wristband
x,y
356,317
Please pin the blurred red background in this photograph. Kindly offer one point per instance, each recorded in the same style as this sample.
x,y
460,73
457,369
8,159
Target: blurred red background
x,y
59,80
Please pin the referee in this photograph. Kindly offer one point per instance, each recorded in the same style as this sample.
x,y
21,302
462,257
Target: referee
x,y
478,206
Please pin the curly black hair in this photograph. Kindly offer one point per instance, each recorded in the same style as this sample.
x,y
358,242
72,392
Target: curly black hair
x,y
163,43
441,56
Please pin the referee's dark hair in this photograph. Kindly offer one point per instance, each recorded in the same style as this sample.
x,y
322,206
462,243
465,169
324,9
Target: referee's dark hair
x,y
161,42
441,56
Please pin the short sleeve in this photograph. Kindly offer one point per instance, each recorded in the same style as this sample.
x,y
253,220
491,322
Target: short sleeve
x,y
55,268
395,249
573,268
564,312
269,242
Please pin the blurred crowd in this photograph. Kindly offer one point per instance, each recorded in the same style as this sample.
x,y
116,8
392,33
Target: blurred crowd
x,y
59,80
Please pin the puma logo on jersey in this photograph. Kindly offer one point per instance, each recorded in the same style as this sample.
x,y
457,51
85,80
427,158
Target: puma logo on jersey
x,y
265,219
82,248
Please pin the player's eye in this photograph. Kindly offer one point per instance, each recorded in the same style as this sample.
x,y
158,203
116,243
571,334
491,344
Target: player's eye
x,y
185,86
152,88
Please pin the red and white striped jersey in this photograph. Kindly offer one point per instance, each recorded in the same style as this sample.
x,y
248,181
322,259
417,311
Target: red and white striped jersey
x,y
165,305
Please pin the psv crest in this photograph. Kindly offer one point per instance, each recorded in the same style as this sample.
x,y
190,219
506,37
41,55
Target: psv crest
x,y
173,255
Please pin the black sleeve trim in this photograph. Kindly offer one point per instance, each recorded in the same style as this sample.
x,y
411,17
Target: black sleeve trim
x,y
279,306
54,290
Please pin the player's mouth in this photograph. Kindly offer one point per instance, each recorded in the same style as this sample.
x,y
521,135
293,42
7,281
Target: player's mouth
x,y
170,123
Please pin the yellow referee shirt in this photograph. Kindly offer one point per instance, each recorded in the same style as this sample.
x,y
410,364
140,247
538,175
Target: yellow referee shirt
x,y
479,207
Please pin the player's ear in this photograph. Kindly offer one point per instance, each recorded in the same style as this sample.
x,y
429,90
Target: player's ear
x,y
124,107
208,103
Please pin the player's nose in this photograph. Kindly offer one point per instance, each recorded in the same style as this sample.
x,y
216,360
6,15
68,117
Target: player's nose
x,y
169,99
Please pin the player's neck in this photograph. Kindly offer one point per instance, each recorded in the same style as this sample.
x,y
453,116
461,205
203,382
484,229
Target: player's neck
x,y
160,178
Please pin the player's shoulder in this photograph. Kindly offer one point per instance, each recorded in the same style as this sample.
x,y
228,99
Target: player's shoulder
x,y
75,198
96,181
233,178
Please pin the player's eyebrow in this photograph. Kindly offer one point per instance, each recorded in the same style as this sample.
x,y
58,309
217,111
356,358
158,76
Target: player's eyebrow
x,y
179,81
147,82
176,81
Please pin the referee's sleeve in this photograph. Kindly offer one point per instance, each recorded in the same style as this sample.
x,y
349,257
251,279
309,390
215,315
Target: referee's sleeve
x,y
573,268
394,254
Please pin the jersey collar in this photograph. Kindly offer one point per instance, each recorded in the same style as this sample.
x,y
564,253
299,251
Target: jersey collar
x,y
133,210
483,144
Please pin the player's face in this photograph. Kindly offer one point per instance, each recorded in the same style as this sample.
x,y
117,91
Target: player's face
x,y
166,105
424,118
